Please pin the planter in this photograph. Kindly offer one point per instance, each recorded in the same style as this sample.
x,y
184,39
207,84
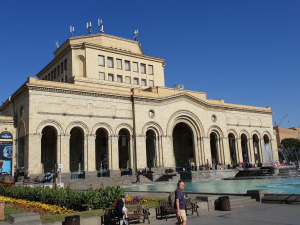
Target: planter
x,y
8,184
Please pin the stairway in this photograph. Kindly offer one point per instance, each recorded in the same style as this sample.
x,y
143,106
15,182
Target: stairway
x,y
241,201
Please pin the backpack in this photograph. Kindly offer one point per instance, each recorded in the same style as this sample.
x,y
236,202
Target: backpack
x,y
172,199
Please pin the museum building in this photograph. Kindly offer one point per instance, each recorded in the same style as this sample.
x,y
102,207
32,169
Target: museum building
x,y
101,105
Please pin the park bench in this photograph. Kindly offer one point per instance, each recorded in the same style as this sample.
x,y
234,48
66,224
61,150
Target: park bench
x,y
191,206
136,212
164,210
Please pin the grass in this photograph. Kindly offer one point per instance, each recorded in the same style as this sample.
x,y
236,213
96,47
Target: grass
x,y
10,210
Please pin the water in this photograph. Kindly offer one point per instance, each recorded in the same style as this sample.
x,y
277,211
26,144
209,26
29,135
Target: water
x,y
267,153
289,185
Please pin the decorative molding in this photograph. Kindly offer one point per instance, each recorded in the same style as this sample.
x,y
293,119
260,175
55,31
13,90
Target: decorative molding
x,y
82,115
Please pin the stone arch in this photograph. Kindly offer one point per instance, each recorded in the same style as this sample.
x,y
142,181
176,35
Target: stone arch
x,y
80,124
268,134
52,123
246,133
105,126
152,126
232,131
257,133
215,129
185,116
124,126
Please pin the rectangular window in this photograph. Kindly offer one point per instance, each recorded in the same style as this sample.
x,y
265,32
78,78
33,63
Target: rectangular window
x,y
119,64
143,68
66,65
49,78
110,77
61,68
66,79
150,69
136,81
127,65
151,84
101,76
58,71
62,80
143,82
135,66
54,73
119,79
127,80
100,60
46,77
110,62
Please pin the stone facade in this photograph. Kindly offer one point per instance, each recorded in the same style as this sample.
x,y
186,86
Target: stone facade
x,y
88,124
283,133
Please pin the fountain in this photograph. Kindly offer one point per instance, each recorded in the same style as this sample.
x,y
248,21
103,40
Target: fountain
x,y
266,151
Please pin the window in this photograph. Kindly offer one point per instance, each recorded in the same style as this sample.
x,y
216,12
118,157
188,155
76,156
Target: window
x,y
127,80
54,72
101,76
58,71
136,81
52,75
119,79
143,68
143,82
110,62
66,79
66,65
119,64
151,84
110,77
127,65
135,66
61,68
62,80
49,78
150,69
46,77
100,60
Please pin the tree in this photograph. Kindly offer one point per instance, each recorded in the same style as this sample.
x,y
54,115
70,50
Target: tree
x,y
291,143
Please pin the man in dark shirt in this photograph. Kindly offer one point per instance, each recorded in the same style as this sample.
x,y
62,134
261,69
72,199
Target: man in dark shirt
x,y
180,204
120,209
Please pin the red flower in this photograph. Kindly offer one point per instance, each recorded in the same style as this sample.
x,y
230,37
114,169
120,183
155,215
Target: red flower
x,y
101,184
91,185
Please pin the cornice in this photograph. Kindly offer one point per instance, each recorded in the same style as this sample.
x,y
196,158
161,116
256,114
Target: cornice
x,y
200,103
83,115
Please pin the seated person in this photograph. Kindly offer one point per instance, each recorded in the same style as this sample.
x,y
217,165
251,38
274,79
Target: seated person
x,y
37,179
120,210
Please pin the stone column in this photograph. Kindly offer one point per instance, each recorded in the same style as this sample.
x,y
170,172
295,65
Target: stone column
x,y
160,152
58,150
262,158
65,153
132,156
141,152
239,149
91,155
274,150
114,154
33,154
157,156
197,152
251,150
226,151
207,150
167,152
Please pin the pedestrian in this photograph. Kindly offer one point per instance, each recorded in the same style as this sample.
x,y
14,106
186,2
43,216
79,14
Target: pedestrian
x,y
138,178
121,169
180,204
130,171
121,210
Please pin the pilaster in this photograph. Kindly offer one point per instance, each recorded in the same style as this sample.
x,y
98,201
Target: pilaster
x,y
91,153
33,154
65,153
141,152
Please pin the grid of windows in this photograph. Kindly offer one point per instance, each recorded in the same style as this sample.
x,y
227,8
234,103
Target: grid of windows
x,y
136,81
150,69
127,65
127,80
101,60
101,76
119,79
119,64
143,68
135,67
143,82
151,84
110,62
110,77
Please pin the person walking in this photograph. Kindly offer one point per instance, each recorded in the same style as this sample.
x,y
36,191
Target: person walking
x,y
180,204
121,170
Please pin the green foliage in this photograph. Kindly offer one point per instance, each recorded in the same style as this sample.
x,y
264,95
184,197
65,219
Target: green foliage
x,y
291,143
71,199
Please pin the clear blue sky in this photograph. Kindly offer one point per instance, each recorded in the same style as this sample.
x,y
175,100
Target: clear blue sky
x,y
245,52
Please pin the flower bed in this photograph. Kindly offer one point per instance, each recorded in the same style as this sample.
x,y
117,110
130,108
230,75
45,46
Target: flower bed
x,y
36,206
139,200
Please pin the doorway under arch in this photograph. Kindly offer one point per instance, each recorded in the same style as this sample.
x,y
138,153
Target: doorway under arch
x,y
256,149
183,147
101,150
49,149
245,152
124,149
214,149
150,148
232,149
77,150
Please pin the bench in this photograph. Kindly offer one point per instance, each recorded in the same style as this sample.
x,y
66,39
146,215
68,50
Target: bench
x,y
136,212
164,210
191,206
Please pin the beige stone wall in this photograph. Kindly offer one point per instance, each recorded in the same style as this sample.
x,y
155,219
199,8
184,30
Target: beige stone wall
x,y
283,133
